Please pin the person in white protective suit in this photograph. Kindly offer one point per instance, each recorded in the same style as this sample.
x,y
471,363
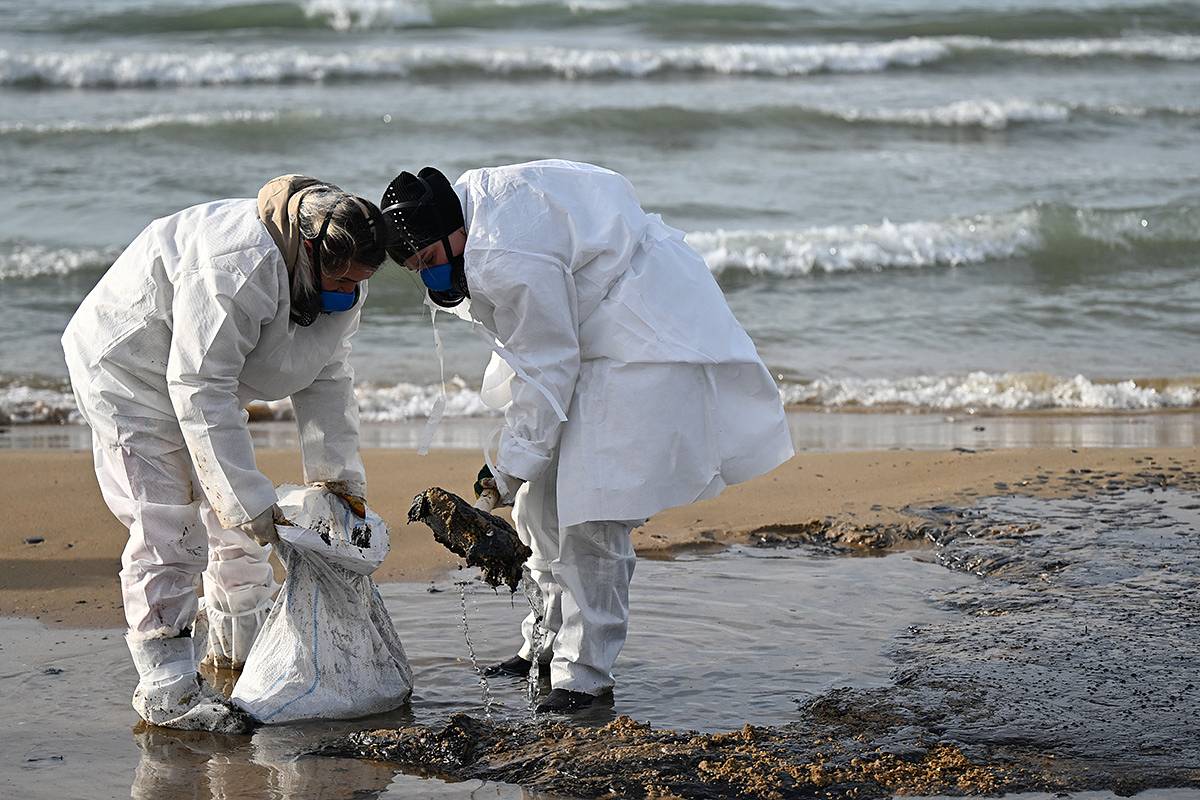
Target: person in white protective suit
x,y
627,385
208,309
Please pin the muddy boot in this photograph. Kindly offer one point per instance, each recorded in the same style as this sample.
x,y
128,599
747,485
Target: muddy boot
x,y
516,667
170,695
564,701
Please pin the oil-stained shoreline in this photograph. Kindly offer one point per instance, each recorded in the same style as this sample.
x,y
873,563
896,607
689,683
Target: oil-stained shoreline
x,y
1071,665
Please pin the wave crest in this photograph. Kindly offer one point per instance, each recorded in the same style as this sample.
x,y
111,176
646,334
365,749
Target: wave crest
x,y
1064,231
995,392
152,122
34,260
870,247
101,68
971,392
30,405
719,17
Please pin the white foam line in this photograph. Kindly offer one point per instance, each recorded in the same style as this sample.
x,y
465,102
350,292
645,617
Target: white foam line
x,y
86,68
982,390
887,245
969,392
989,114
33,260
347,15
148,122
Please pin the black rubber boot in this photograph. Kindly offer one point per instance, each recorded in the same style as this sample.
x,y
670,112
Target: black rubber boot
x,y
564,701
516,667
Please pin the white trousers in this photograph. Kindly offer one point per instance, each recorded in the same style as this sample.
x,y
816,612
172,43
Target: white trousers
x,y
148,482
583,573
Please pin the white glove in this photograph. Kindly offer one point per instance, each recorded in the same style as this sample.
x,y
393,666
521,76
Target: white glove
x,y
262,528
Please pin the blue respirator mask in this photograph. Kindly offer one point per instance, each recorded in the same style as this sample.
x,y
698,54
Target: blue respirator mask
x,y
332,302
337,302
447,283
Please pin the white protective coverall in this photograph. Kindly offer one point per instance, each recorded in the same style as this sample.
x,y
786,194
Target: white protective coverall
x,y
602,312
187,326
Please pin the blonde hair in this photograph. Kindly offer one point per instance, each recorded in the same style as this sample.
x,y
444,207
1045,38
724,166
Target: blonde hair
x,y
354,234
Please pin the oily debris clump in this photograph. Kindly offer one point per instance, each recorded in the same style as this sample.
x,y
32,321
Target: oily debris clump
x,y
484,540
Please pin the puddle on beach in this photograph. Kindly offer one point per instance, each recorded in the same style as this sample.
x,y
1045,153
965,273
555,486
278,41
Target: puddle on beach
x,y
1058,637
716,641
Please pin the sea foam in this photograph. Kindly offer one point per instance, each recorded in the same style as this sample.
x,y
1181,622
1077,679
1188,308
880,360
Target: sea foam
x,y
25,405
996,392
152,121
347,15
970,392
841,248
952,242
211,66
34,260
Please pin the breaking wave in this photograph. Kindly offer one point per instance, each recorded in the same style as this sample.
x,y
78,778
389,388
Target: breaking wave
x,y
1063,234
19,260
995,392
396,402
664,18
981,114
103,68
962,115
1060,231
976,391
23,404
156,121
984,114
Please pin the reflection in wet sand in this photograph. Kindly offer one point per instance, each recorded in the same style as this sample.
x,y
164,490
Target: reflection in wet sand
x,y
179,764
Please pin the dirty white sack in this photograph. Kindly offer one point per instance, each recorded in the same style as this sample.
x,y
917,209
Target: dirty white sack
x,y
328,648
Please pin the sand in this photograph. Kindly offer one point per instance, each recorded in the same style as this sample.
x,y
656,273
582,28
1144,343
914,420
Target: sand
x,y
70,578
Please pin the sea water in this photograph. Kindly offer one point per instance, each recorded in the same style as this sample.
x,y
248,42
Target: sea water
x,y
935,204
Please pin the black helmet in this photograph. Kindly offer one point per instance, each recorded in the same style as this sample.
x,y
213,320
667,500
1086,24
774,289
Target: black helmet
x,y
420,209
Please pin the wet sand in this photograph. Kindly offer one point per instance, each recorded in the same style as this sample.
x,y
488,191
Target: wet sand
x,y
1069,665
726,667
861,498
1051,649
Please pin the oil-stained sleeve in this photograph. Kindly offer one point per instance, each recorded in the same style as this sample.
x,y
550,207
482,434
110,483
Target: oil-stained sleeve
x,y
218,314
537,323
327,417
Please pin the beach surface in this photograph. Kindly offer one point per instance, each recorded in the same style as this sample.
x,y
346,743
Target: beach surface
x,y
855,499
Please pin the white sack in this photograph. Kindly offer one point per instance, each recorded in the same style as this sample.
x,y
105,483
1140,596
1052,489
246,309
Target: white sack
x,y
328,648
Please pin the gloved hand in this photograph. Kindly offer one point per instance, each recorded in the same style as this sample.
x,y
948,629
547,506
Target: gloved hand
x,y
262,528
485,484
350,495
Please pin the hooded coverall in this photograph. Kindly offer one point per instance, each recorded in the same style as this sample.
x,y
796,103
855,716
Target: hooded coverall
x,y
188,325
627,385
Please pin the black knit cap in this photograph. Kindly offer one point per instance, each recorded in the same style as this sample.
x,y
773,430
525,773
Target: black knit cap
x,y
420,209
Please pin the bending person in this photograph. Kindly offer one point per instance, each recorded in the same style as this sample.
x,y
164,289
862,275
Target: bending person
x,y
627,384
206,310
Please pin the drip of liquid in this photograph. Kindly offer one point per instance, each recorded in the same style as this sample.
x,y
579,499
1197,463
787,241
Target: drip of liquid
x,y
484,687
534,595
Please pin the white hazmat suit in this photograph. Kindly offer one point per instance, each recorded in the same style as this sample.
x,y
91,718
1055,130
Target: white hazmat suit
x,y
627,384
187,326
